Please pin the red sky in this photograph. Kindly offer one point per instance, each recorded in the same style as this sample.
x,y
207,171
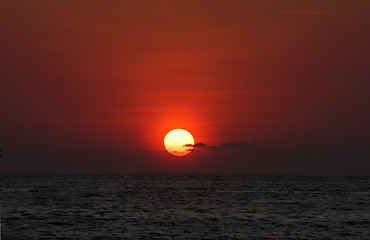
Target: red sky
x,y
94,86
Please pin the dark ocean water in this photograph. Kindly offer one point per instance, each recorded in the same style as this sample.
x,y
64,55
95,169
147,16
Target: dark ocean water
x,y
184,207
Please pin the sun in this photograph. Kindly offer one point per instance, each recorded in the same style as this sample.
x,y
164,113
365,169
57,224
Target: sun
x,y
179,142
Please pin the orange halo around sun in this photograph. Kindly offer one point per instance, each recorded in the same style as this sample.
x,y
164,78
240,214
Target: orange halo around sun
x,y
179,142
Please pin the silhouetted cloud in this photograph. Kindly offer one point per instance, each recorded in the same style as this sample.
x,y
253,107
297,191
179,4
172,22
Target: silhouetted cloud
x,y
200,145
233,144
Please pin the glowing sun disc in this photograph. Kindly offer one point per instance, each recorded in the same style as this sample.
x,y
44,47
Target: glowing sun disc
x,y
179,142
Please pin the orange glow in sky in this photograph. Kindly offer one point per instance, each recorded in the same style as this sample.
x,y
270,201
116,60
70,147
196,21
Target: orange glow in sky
x,y
98,84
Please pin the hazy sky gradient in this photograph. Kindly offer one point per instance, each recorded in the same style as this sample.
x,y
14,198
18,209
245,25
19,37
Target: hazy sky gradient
x,y
95,85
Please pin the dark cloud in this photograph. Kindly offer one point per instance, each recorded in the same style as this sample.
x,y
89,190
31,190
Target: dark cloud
x,y
232,144
200,145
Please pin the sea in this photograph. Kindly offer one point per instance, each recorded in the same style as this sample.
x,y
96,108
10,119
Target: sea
x,y
184,206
